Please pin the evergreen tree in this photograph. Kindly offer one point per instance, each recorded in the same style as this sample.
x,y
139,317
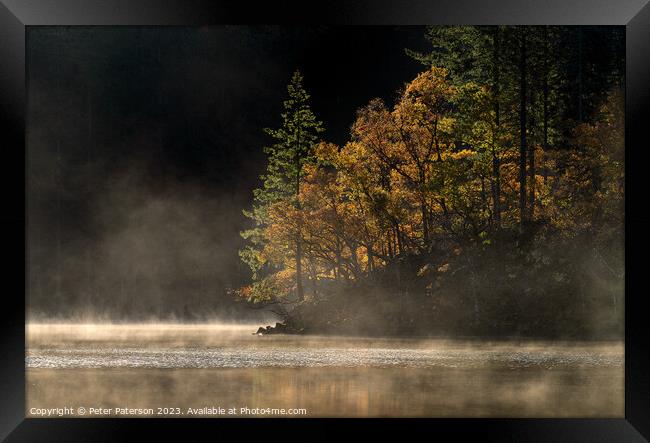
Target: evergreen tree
x,y
293,148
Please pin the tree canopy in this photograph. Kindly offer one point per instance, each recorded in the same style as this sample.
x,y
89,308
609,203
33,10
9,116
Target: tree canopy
x,y
477,171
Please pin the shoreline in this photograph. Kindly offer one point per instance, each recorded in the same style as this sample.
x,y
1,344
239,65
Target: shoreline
x,y
284,330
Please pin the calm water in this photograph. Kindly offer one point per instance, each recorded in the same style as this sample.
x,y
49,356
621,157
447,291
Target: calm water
x,y
176,367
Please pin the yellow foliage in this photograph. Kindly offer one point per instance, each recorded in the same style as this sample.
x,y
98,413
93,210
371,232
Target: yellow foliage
x,y
427,168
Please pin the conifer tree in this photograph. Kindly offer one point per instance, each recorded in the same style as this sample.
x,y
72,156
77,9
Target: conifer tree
x,y
293,148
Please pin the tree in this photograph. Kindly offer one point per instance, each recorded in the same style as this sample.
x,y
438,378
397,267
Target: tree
x,y
475,54
293,148
476,183
522,124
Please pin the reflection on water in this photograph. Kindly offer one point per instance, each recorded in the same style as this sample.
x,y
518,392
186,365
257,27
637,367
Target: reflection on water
x,y
197,366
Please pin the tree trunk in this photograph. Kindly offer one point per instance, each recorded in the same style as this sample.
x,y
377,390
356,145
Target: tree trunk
x,y
313,275
496,169
425,223
398,237
545,91
531,159
522,127
299,289
389,242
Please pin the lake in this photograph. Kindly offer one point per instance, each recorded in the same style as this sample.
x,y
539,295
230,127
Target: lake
x,y
218,370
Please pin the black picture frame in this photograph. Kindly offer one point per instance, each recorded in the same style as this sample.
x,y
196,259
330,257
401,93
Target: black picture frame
x,y
16,15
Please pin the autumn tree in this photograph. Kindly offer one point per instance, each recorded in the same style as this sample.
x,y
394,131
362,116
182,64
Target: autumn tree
x,y
478,150
479,55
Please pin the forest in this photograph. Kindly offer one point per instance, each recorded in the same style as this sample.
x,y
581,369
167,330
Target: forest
x,y
486,200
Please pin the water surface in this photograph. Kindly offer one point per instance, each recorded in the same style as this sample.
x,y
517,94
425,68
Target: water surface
x,y
226,366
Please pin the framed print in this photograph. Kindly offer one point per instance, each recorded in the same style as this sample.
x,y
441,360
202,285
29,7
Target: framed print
x,y
346,219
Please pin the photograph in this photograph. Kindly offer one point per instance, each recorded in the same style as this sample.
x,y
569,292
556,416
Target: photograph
x,y
310,221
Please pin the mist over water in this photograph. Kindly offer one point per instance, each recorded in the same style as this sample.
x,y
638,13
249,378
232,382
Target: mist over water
x,y
234,346
199,365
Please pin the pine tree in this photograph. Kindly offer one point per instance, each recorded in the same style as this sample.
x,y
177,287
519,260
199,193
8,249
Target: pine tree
x,y
293,148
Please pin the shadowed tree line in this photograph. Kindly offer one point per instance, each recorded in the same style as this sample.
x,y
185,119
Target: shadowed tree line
x,y
487,200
